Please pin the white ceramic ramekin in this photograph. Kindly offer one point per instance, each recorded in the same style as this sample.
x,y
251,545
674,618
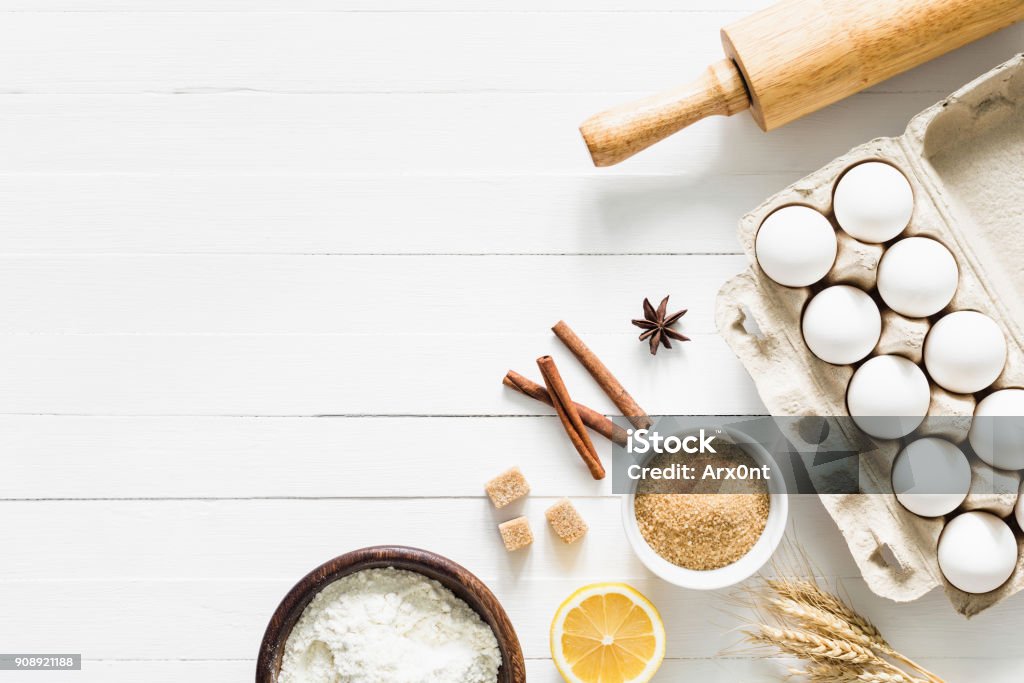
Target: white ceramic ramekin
x,y
743,568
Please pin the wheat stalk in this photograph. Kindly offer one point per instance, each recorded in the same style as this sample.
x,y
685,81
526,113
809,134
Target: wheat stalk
x,y
807,645
803,620
832,674
808,592
817,609
819,620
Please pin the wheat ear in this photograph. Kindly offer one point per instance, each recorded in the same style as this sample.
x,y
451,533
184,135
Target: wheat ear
x,y
819,620
828,673
816,609
808,645
809,592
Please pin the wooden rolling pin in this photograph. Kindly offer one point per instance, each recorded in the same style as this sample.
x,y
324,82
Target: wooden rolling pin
x,y
796,57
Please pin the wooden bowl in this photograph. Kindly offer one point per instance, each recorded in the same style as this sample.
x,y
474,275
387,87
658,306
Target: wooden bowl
x,y
452,576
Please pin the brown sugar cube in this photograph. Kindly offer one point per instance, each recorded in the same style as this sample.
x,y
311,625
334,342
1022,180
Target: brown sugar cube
x,y
566,521
515,533
507,487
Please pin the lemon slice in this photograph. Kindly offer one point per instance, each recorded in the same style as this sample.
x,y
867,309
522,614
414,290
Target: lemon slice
x,y
607,633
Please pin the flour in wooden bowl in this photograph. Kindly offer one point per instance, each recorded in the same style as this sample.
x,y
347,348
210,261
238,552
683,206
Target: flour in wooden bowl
x,y
389,626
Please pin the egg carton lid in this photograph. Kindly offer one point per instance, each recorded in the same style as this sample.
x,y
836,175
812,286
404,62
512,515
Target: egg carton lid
x,y
963,157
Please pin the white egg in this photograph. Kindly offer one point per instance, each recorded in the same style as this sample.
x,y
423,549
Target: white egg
x,y
888,397
965,352
931,477
796,246
841,325
873,202
917,277
977,552
997,431
1018,509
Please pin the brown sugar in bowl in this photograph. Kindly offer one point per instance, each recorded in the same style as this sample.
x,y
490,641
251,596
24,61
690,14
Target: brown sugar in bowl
x,y
449,574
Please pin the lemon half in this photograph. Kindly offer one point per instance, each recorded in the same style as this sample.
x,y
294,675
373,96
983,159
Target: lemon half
x,y
607,633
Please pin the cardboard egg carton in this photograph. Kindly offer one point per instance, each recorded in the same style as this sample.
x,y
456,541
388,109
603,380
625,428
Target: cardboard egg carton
x,y
964,158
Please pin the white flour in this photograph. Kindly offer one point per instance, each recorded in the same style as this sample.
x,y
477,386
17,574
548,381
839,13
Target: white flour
x,y
389,626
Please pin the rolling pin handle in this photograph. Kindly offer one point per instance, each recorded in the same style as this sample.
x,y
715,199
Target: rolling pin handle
x,y
617,134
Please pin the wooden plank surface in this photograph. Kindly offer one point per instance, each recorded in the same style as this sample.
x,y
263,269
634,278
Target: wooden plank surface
x,y
264,264
242,133
296,295
719,670
74,457
276,213
211,52
232,615
226,539
353,374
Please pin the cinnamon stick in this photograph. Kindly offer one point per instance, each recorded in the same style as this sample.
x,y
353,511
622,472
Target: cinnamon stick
x,y
593,419
569,417
603,376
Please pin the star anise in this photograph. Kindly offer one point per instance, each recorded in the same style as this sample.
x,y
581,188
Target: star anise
x,y
657,325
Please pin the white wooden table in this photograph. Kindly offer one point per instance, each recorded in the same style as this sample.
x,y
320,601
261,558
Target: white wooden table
x,y
263,264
